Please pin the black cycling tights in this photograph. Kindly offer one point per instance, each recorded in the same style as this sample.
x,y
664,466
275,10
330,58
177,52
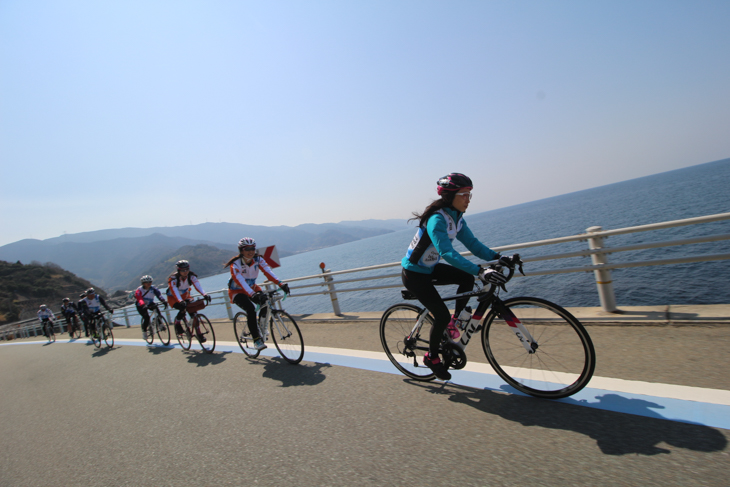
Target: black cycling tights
x,y
245,303
423,286
142,310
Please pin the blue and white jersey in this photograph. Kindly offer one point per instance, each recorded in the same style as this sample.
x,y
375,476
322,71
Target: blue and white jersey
x,y
45,313
94,305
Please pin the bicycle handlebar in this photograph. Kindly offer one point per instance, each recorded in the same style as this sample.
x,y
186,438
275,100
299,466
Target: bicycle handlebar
x,y
498,265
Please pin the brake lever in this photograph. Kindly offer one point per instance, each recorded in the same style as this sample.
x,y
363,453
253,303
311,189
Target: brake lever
x,y
520,268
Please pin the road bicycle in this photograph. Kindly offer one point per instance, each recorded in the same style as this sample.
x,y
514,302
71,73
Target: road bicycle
x,y
534,345
74,328
158,324
48,330
101,330
273,322
199,326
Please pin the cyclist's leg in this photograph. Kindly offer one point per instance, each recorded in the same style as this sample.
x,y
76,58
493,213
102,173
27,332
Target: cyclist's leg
x,y
444,274
180,315
142,310
245,303
422,286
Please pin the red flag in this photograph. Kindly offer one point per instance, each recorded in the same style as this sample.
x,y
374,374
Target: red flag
x,y
271,256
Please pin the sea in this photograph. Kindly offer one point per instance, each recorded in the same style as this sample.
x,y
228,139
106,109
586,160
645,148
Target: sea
x,y
683,193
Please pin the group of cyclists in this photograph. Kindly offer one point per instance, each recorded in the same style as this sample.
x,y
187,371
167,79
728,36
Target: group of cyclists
x,y
90,302
439,225
242,291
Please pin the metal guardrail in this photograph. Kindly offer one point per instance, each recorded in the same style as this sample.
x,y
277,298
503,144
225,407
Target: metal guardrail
x,y
597,250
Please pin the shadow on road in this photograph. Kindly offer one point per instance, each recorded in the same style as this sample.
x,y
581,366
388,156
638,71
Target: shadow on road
x,y
615,433
159,349
202,359
277,368
103,351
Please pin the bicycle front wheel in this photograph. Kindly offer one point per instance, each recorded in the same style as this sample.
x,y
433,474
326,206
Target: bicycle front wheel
x,y
243,335
51,333
108,335
163,330
405,340
561,365
206,334
76,333
95,335
183,336
150,336
287,337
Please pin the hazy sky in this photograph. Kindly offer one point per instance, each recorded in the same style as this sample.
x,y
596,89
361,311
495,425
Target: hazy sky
x,y
154,113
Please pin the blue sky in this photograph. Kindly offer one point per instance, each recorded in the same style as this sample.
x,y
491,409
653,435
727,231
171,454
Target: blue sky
x,y
152,113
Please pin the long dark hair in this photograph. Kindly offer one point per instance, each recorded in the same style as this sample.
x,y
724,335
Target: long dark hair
x,y
233,259
444,202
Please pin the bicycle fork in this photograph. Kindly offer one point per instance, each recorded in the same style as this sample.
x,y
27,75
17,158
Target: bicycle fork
x,y
516,326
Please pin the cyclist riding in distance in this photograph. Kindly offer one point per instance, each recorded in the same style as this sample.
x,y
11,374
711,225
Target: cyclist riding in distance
x,y
68,309
144,297
83,312
439,224
43,313
178,291
93,302
242,288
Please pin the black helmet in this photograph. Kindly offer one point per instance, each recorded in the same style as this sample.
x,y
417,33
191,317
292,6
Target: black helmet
x,y
453,182
182,264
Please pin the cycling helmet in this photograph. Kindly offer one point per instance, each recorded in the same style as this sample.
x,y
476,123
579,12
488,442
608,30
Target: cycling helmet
x,y
182,264
246,242
453,182
65,300
91,290
43,306
145,279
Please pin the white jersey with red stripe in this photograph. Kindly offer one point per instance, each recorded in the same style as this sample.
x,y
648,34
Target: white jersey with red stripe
x,y
178,289
243,276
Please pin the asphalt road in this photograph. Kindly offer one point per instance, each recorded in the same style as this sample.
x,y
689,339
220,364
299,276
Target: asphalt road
x,y
74,415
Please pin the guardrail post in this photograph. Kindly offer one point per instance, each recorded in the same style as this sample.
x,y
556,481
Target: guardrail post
x,y
331,287
126,316
602,276
227,302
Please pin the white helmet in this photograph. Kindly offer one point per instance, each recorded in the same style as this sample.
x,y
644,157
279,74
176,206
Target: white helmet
x,y
43,306
145,279
246,242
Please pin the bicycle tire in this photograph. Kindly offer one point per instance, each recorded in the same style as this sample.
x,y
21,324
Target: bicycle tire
x,y
243,335
287,336
108,335
163,330
564,361
184,338
206,331
150,335
76,328
403,350
51,333
95,336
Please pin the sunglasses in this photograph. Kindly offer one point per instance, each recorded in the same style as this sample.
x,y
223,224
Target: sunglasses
x,y
248,249
467,195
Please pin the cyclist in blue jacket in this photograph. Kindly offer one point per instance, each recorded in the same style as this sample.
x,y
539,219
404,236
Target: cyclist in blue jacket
x,y
439,224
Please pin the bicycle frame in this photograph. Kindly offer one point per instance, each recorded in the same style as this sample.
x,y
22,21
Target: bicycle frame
x,y
274,297
487,298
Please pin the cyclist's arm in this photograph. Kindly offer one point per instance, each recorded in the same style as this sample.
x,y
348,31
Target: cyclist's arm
x,y
172,286
477,248
196,284
268,272
437,230
158,294
103,303
138,297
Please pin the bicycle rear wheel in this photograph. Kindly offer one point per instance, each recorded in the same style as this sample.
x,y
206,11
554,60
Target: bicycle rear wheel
x,y
243,335
163,330
287,337
184,338
404,342
108,335
564,360
206,338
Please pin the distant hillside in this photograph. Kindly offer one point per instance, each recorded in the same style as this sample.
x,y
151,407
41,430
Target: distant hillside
x,y
114,258
23,288
204,261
